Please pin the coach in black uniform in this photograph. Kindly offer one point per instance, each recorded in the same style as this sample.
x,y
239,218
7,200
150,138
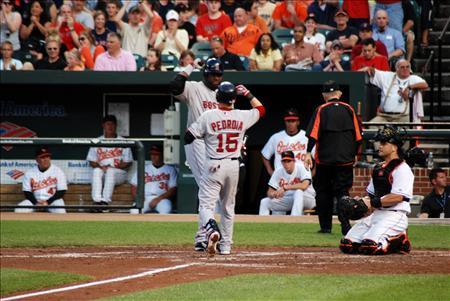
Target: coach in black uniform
x,y
336,132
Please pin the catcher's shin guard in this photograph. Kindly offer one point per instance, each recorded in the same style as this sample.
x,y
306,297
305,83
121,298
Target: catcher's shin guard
x,y
213,235
369,247
349,247
399,244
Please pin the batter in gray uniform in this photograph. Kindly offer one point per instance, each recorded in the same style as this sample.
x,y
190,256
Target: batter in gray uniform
x,y
223,130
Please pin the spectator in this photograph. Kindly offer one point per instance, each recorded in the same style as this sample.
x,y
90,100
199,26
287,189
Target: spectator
x,y
34,27
135,35
241,37
164,7
300,55
68,28
82,14
153,62
391,38
157,23
365,32
10,22
184,23
89,52
212,23
358,12
336,61
425,20
369,58
311,35
228,7
172,40
265,11
336,133
437,203
266,55
187,58
408,27
251,7
7,62
394,10
109,164
53,61
229,60
74,62
348,36
395,90
324,10
43,185
160,182
115,58
288,14
112,9
287,188
100,30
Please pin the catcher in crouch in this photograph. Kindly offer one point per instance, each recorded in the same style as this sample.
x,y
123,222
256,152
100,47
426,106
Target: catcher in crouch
x,y
384,224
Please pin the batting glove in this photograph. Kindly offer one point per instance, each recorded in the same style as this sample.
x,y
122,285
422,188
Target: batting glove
x,y
243,91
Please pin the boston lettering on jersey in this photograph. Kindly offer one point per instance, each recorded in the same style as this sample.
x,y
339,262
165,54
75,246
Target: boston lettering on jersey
x,y
37,185
295,147
108,153
156,178
227,125
209,104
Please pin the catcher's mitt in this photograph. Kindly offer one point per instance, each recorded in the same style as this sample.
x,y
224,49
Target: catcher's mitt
x,y
352,208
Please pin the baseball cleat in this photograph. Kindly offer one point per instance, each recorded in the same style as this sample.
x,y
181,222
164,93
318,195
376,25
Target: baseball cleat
x,y
213,239
201,246
223,250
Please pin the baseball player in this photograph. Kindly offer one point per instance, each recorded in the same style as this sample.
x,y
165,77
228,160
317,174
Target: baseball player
x,y
199,97
391,187
287,188
222,130
291,138
44,184
160,183
110,164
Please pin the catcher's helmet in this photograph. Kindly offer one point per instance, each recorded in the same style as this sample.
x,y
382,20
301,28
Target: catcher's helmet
x,y
389,134
226,93
213,66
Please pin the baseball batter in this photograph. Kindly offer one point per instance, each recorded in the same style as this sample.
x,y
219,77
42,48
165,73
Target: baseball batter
x,y
160,183
287,188
222,130
110,164
43,185
290,139
391,187
199,97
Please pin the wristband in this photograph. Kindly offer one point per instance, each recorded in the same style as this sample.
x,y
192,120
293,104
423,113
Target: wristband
x,y
188,70
375,202
249,96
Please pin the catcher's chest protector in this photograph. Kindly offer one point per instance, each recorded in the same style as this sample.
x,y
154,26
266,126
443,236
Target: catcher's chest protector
x,y
382,178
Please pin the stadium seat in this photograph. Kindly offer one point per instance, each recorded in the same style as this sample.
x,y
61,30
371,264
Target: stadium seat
x,y
201,49
140,61
283,36
169,61
245,62
323,31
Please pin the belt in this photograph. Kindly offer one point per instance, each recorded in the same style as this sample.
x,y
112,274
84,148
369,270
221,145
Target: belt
x,y
392,113
224,159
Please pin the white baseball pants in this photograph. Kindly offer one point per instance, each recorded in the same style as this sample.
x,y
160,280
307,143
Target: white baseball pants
x,y
103,183
295,203
58,202
164,206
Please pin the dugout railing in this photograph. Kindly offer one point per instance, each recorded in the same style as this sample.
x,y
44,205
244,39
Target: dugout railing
x,y
135,144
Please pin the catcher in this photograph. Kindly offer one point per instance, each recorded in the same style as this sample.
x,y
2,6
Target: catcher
x,y
383,227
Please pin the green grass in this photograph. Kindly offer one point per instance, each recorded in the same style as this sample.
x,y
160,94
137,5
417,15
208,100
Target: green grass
x,y
100,233
306,287
14,280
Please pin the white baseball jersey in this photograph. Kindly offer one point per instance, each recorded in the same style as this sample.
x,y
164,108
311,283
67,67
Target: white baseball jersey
x,y
157,180
281,177
109,156
44,184
223,131
280,142
199,98
402,184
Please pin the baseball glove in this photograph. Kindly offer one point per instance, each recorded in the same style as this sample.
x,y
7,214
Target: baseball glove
x,y
353,208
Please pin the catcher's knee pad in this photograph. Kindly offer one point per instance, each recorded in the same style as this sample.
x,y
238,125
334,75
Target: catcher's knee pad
x,y
349,247
369,247
399,244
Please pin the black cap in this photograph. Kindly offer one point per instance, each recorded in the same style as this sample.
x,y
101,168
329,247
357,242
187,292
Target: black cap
x,y
156,149
291,114
365,27
312,17
341,12
330,86
181,7
110,118
43,151
287,155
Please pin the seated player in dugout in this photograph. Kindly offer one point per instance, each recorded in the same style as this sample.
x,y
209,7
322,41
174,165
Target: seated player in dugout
x,y
160,183
43,185
383,230
437,203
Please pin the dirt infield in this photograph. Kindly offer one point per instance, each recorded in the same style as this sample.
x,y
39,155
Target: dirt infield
x,y
170,266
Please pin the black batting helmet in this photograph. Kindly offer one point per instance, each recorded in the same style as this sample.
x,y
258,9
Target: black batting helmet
x,y
213,66
389,134
226,93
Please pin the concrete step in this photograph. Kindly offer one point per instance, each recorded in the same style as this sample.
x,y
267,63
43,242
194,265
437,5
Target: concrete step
x,y
445,78
435,35
437,118
445,94
445,108
440,146
426,52
419,63
438,24
444,9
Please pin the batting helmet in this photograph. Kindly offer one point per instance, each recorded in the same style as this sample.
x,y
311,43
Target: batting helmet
x,y
226,93
213,66
389,134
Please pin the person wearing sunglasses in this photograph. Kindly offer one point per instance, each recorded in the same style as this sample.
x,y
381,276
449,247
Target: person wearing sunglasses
x,y
88,50
10,22
53,61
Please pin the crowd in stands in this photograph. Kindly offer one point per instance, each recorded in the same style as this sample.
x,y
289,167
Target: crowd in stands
x,y
253,35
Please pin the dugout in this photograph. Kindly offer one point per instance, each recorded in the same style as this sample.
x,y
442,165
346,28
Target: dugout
x,y
72,104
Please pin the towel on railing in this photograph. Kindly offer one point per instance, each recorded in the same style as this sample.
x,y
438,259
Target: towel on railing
x,y
418,107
